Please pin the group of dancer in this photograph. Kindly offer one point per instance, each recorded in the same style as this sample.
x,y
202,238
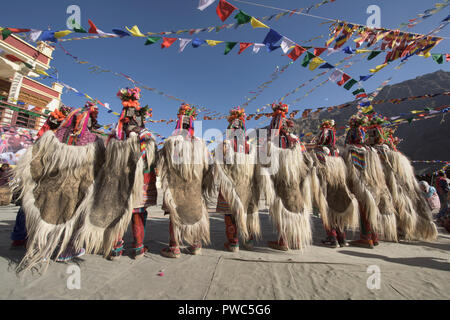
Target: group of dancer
x,y
80,193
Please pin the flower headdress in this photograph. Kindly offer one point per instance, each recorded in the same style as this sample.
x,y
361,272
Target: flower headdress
x,y
327,123
129,97
186,115
237,114
377,119
358,120
280,109
186,110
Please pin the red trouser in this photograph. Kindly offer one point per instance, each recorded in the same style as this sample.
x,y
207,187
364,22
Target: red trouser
x,y
172,239
336,234
138,225
366,232
231,229
138,220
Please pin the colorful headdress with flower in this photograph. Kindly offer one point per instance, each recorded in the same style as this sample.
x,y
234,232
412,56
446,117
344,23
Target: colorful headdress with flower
x,y
237,114
358,120
280,109
186,115
278,116
130,97
327,137
377,119
327,123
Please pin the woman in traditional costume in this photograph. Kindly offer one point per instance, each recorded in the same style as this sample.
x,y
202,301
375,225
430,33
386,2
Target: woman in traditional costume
x,y
132,122
337,205
183,165
358,175
286,183
235,170
413,218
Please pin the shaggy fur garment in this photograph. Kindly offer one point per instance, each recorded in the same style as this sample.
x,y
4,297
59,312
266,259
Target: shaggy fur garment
x,y
183,167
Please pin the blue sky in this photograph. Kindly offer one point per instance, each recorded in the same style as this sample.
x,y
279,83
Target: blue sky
x,y
205,76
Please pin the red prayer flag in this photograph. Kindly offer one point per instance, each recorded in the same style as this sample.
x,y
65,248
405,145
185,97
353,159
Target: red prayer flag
x,y
93,28
296,52
167,42
243,46
318,51
362,95
344,79
447,57
18,30
224,10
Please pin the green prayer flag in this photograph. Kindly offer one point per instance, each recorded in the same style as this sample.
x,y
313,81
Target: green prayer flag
x,y
242,18
358,91
439,58
373,54
307,59
410,120
6,33
152,40
229,46
79,29
350,84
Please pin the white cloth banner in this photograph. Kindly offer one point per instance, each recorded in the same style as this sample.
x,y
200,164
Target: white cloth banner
x,y
336,75
203,4
258,46
286,44
183,43
34,35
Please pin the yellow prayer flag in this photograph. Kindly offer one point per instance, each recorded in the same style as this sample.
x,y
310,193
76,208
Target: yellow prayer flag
x,y
135,31
378,68
213,43
88,97
416,111
382,35
363,50
314,63
63,33
368,109
42,72
257,24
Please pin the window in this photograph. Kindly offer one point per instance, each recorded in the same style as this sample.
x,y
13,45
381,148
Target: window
x,y
23,119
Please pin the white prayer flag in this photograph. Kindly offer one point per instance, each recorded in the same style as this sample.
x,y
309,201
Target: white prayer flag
x,y
203,4
336,75
183,43
286,44
258,46
331,51
34,35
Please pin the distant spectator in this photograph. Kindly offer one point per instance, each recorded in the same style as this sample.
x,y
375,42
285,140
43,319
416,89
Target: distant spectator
x,y
442,187
5,174
431,196
5,190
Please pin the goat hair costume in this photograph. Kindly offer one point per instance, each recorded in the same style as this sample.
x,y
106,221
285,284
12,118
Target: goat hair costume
x,y
235,170
367,181
331,195
183,166
286,183
82,195
414,219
